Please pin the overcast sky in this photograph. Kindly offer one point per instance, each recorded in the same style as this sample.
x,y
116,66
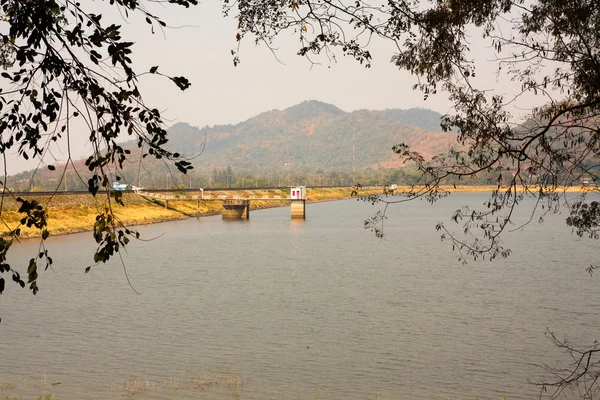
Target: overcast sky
x,y
197,45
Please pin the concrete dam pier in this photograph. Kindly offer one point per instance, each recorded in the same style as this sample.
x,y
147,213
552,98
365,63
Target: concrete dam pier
x,y
298,209
235,209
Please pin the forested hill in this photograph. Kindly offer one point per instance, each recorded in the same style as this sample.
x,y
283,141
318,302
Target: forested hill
x,y
309,137
313,135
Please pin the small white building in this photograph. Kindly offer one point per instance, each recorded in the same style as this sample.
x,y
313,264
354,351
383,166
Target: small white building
x,y
298,193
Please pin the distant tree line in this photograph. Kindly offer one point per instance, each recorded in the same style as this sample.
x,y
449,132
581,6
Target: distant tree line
x,y
227,177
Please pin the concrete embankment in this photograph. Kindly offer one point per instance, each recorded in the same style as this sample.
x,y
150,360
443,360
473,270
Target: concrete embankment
x,y
77,212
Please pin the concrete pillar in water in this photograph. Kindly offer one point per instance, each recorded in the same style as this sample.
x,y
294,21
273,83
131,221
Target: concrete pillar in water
x,y
298,208
236,209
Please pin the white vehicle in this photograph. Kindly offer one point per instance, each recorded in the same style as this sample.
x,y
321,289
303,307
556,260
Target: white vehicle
x,y
121,186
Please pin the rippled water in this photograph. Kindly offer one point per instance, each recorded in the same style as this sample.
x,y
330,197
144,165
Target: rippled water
x,y
299,310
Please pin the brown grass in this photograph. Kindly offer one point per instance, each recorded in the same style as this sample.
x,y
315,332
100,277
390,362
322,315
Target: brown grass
x,y
198,379
77,213
132,385
224,376
6,386
172,384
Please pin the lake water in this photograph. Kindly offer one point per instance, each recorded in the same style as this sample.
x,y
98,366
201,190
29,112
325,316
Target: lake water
x,y
272,308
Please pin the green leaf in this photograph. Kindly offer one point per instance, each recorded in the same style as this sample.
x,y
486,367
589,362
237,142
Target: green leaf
x,y
32,266
87,269
31,278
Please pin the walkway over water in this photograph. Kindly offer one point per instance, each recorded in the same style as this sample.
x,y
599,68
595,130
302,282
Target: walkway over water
x,y
238,207
206,197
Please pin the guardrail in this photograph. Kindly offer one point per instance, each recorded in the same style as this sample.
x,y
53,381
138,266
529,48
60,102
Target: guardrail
x,y
85,192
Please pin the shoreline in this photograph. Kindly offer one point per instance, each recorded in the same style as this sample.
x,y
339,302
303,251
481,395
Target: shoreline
x,y
69,214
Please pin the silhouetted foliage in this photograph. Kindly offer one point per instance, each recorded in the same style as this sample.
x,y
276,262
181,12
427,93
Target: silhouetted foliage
x,y
550,47
63,63
579,378
552,148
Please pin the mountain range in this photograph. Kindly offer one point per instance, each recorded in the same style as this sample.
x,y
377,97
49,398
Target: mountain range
x,y
308,137
313,135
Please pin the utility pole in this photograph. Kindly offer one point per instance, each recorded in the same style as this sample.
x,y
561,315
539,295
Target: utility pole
x,y
353,157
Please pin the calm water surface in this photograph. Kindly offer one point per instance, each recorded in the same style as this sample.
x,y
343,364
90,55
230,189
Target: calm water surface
x,y
299,310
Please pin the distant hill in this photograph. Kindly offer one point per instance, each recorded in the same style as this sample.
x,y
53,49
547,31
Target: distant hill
x,y
308,137
423,118
313,135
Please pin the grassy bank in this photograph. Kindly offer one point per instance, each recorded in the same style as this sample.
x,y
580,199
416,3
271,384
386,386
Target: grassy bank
x,y
77,213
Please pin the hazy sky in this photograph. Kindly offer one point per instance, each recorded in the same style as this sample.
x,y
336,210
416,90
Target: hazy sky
x,y
223,94
197,45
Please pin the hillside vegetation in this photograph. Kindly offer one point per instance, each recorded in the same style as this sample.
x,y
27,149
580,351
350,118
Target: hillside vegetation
x,y
311,137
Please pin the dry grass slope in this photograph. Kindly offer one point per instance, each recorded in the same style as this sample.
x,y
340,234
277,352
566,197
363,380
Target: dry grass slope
x,y
77,213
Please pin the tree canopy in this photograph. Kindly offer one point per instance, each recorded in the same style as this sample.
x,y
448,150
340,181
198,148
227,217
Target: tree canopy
x,y
62,64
